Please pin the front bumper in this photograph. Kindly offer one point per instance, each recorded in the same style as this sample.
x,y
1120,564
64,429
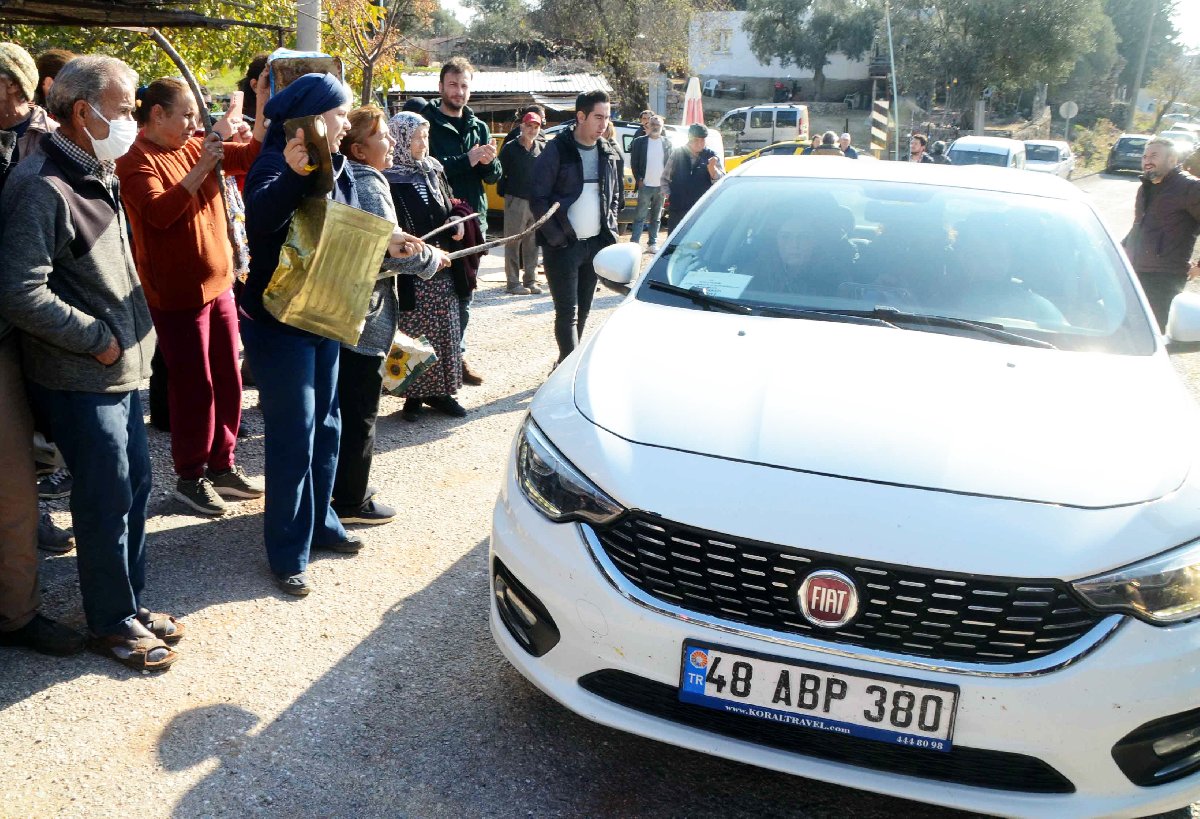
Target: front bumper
x,y
1136,674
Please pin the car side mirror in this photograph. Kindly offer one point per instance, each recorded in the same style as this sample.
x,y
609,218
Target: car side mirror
x,y
1183,322
616,265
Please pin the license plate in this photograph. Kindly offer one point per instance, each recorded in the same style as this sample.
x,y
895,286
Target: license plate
x,y
897,710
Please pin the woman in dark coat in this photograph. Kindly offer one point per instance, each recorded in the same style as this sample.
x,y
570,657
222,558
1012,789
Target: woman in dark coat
x,y
296,371
422,198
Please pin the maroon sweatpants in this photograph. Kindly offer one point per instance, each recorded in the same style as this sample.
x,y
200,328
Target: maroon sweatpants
x,y
204,389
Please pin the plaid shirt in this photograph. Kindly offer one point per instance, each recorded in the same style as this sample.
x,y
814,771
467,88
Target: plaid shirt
x,y
104,171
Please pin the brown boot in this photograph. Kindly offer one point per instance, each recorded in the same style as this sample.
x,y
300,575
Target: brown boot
x,y
470,377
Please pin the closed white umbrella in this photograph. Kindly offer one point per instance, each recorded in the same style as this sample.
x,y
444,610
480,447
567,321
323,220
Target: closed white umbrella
x,y
693,112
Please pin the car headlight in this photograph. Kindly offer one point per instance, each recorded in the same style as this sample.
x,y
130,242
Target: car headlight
x,y
552,484
1162,590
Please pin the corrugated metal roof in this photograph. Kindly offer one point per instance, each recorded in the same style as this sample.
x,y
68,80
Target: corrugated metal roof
x,y
513,82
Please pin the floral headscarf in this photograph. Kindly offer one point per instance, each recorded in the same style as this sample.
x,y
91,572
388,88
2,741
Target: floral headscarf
x,y
402,127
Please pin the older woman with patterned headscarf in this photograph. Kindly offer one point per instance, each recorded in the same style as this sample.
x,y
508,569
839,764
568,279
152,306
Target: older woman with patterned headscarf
x,y
422,197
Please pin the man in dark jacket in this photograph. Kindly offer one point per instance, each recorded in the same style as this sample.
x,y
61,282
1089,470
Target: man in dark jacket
x,y
693,169
1166,221
581,172
648,157
463,145
828,146
23,124
916,149
517,158
68,282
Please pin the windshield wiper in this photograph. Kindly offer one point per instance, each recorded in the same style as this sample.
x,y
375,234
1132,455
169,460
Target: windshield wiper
x,y
852,316
700,297
985,328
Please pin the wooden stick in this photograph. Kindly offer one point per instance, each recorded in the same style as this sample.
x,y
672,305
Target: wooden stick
x,y
486,246
449,225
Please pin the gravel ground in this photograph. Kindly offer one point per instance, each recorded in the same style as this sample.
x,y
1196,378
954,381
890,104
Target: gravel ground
x,y
381,694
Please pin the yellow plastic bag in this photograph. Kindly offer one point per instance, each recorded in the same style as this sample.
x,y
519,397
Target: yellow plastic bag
x,y
327,269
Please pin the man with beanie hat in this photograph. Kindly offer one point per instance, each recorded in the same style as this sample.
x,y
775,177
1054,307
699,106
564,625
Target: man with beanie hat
x,y
693,169
22,124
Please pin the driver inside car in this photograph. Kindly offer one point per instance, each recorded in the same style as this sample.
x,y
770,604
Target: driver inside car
x,y
806,252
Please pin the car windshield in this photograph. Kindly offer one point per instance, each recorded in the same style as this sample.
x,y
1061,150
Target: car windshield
x,y
1031,269
965,156
1131,144
1041,153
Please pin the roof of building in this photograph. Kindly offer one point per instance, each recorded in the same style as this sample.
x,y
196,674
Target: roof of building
x,y
512,82
137,13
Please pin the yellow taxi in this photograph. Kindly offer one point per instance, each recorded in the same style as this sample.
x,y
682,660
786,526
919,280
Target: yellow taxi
x,y
787,148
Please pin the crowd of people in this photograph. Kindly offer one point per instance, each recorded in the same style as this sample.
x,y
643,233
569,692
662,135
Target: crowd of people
x,y
137,238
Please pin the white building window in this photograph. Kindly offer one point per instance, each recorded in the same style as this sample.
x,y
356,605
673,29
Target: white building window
x,y
722,40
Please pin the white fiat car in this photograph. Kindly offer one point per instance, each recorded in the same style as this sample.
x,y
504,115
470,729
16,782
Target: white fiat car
x,y
881,475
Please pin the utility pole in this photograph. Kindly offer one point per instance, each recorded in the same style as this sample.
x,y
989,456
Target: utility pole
x,y
887,12
1141,66
308,25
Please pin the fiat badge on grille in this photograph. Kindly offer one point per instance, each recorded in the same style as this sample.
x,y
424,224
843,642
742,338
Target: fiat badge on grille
x,y
828,599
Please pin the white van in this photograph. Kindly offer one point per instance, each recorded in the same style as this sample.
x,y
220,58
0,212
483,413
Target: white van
x,y
753,127
984,150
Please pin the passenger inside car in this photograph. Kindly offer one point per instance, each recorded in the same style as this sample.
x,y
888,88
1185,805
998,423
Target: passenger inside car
x,y
985,280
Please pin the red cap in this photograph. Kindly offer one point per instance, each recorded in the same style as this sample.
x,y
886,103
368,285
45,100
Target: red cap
x,y
532,116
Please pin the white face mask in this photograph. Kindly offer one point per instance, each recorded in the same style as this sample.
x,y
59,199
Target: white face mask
x,y
121,134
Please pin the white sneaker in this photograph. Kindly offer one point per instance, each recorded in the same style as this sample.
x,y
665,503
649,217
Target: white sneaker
x,y
651,249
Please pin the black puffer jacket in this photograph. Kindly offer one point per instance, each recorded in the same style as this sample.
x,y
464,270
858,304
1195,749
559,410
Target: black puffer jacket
x,y
558,177
1164,233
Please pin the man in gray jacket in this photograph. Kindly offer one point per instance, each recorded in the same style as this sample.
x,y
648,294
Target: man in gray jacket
x,y
68,282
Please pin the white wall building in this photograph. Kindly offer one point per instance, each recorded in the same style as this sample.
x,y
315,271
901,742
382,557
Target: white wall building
x,y
718,46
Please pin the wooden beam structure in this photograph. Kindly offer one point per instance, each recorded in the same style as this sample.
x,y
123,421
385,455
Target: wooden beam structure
x,y
120,14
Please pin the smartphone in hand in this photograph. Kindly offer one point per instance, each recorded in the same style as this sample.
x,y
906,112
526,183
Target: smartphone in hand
x,y
234,113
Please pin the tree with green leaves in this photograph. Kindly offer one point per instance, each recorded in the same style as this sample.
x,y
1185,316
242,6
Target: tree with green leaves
x,y
1175,81
805,33
972,45
370,32
620,36
206,50
1129,19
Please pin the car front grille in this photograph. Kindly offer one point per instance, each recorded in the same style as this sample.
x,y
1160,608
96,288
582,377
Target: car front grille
x,y
978,768
940,615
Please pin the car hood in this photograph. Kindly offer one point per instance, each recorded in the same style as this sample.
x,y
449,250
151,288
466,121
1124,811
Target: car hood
x,y
911,408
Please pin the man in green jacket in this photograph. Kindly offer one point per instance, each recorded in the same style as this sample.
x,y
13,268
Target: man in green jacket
x,y
463,145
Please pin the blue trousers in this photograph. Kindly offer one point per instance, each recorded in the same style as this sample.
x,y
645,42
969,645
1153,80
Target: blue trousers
x,y
650,201
103,441
297,390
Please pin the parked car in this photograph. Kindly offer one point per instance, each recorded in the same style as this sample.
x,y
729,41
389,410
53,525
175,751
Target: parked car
x,y
881,476
1049,156
748,129
789,147
1126,153
1191,139
985,150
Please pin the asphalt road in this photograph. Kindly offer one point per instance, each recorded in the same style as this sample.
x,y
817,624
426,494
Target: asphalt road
x,y
381,694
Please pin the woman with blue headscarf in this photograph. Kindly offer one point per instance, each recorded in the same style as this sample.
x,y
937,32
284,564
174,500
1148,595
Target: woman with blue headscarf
x,y
296,371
